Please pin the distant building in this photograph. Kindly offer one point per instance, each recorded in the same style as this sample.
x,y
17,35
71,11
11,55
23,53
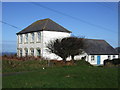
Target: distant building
x,y
32,41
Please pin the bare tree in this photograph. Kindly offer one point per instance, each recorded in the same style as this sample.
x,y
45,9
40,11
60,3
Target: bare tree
x,y
58,47
75,45
68,46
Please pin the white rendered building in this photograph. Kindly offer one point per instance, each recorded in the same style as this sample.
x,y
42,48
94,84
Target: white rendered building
x,y
32,41
97,51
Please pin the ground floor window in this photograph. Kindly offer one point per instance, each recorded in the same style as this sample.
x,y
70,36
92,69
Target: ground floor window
x,y
38,52
26,52
32,52
20,52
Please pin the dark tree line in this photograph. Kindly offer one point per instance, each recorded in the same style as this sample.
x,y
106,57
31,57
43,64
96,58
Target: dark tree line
x,y
66,47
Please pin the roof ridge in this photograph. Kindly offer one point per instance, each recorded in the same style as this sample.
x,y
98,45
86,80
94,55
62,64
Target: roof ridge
x,y
59,24
43,19
46,24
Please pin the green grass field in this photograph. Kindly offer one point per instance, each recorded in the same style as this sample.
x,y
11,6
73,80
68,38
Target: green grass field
x,y
79,76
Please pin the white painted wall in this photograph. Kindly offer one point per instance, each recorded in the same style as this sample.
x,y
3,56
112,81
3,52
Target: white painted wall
x,y
49,36
46,36
102,58
78,57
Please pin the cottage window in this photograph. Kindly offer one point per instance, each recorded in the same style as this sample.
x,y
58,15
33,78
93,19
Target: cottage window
x,y
39,36
26,37
109,57
92,58
113,56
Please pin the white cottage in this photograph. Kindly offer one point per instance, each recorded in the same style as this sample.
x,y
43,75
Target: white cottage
x,y
32,41
97,51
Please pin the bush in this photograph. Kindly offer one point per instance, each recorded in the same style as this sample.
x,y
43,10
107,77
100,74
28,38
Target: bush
x,y
14,57
69,63
61,63
106,61
5,55
113,62
83,63
116,61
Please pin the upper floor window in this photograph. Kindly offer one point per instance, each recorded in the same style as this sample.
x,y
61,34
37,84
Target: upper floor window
x,y
20,38
109,57
32,37
26,37
92,58
38,36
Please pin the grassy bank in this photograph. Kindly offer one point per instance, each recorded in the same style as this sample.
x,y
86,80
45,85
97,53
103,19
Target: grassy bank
x,y
19,66
31,65
78,76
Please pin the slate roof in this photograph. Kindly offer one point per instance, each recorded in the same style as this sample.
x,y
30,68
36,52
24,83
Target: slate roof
x,y
99,47
44,25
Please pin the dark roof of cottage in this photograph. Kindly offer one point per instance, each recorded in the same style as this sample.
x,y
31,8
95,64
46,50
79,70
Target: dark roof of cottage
x,y
44,25
99,47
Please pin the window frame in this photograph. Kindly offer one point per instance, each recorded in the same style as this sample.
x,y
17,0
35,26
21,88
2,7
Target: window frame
x,y
38,36
38,51
21,39
114,56
32,37
109,57
92,58
26,52
32,52
26,38
20,52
